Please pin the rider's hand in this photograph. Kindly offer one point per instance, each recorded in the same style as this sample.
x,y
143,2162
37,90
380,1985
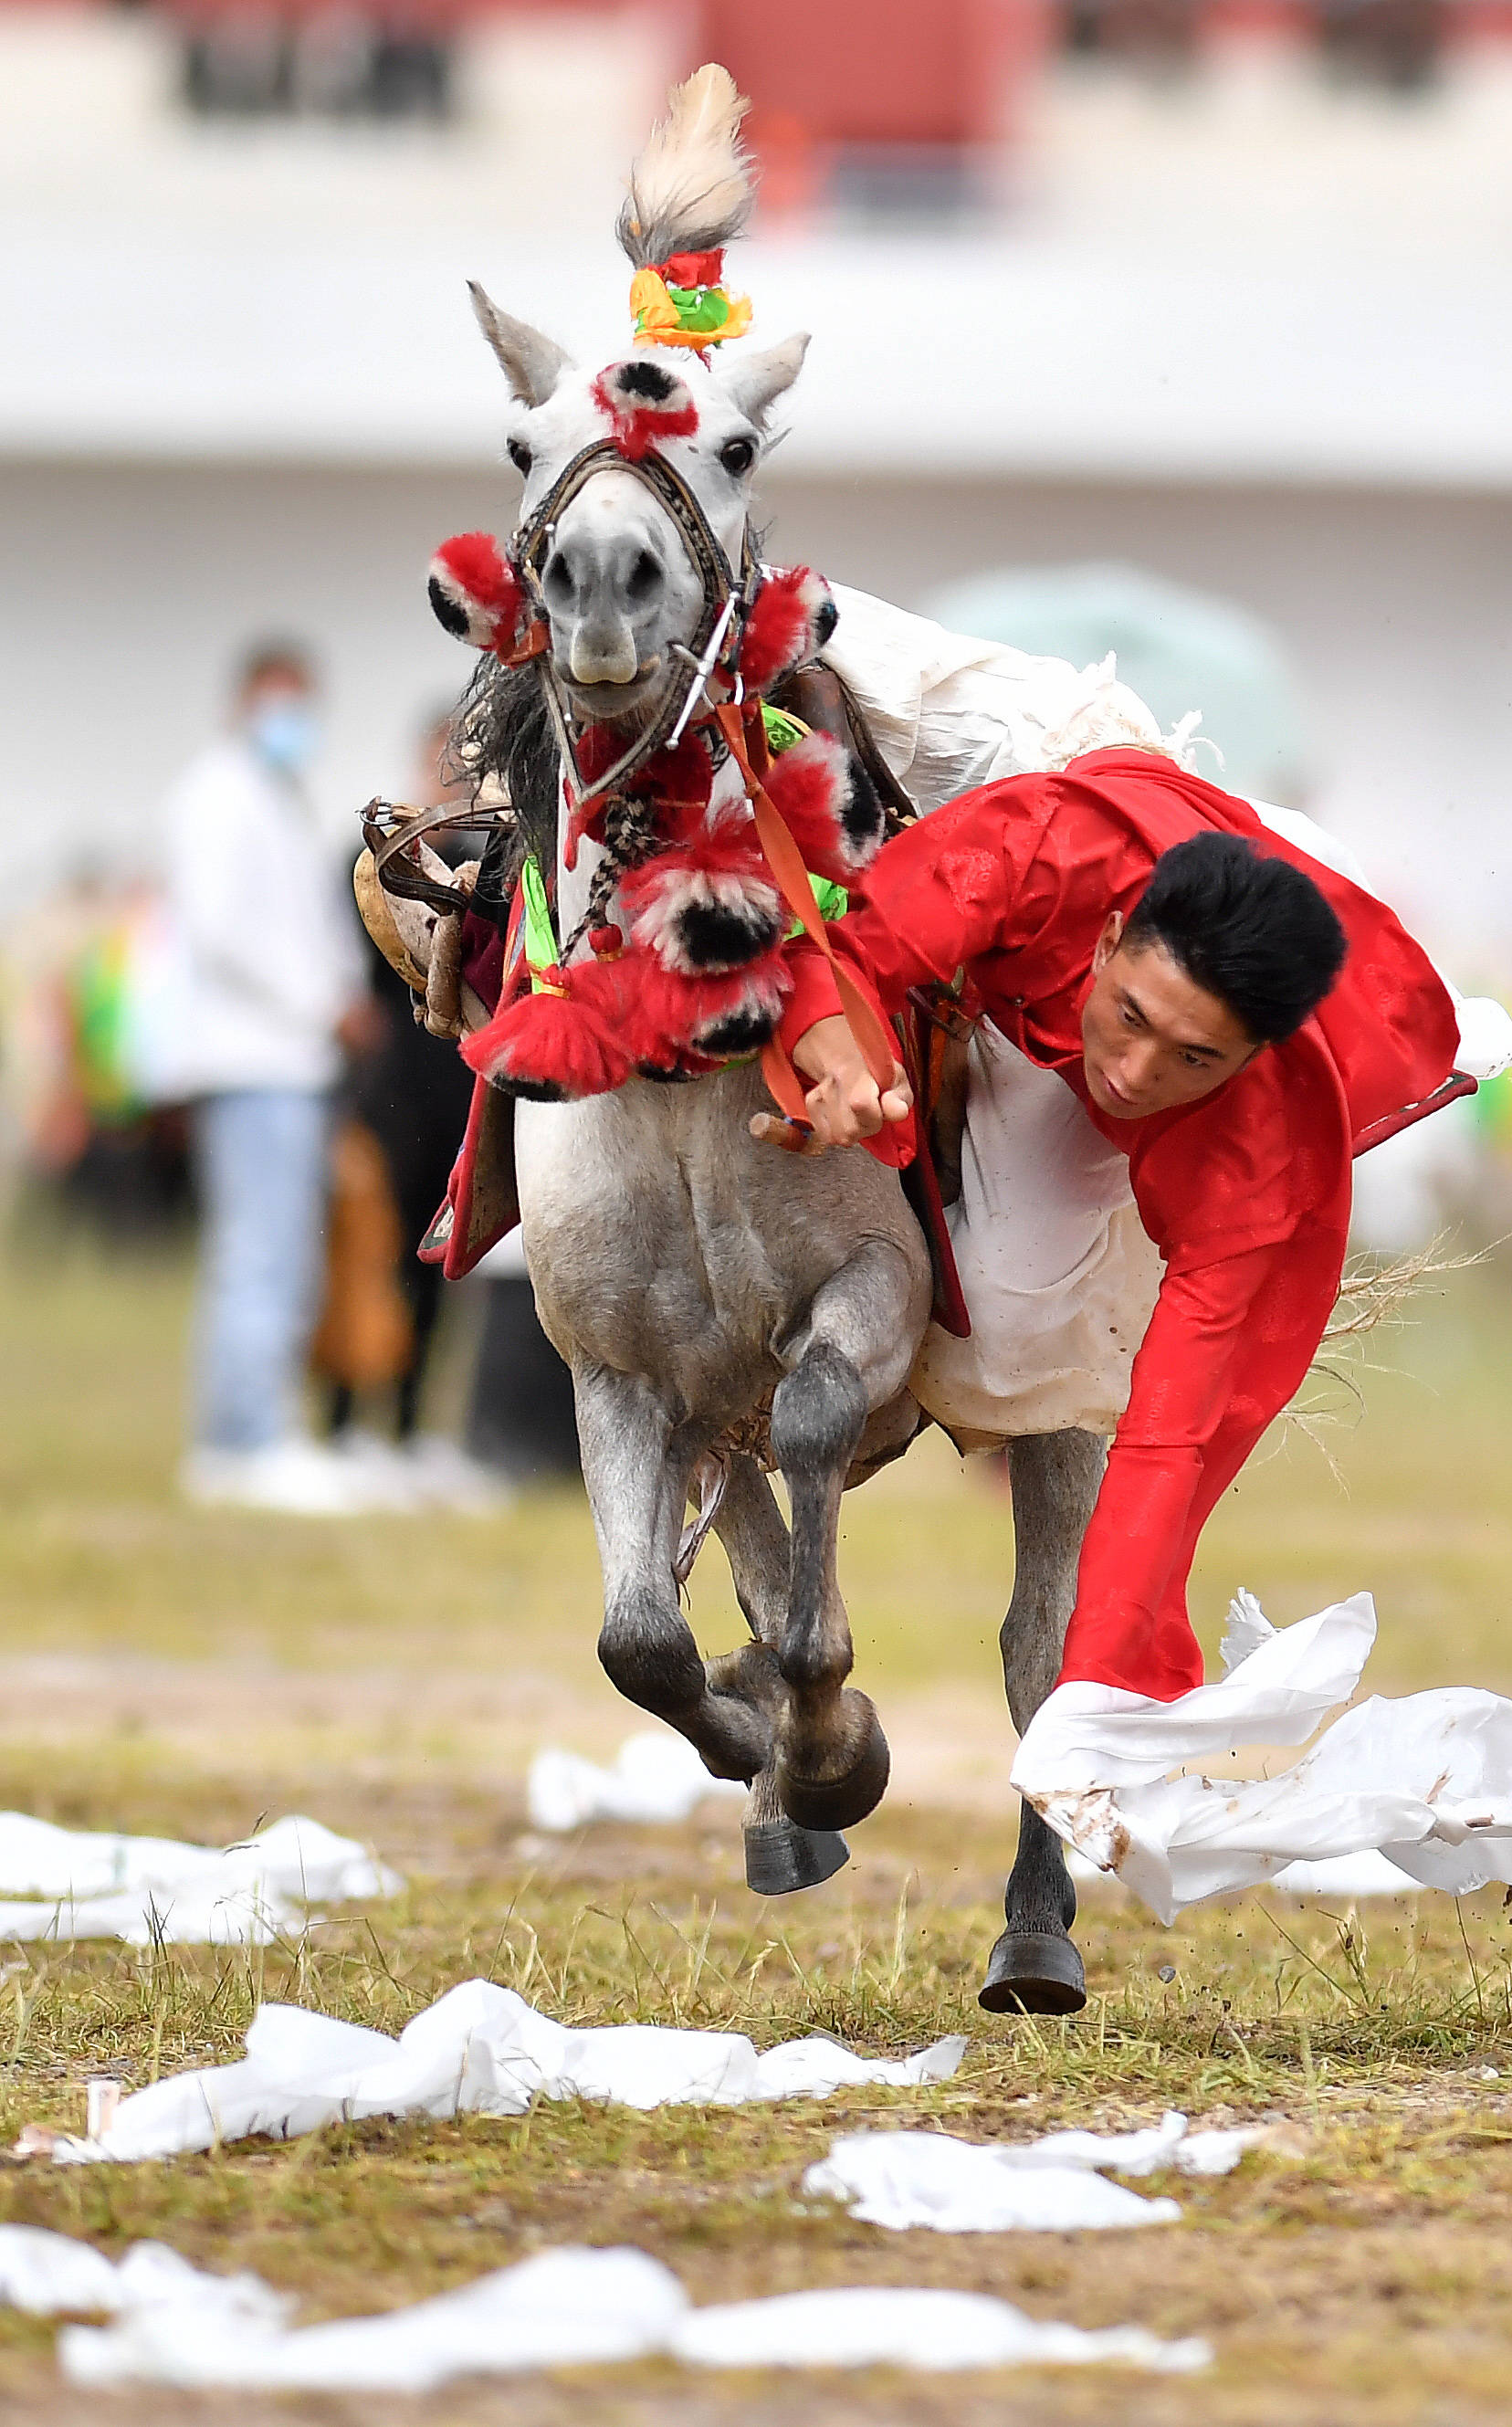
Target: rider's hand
x,y
845,1103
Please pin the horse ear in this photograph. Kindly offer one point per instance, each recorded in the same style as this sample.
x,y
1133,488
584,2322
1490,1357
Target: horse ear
x,y
753,382
531,363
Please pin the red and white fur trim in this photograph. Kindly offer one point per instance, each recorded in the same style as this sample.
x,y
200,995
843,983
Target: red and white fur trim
x,y
645,404
792,617
476,595
815,789
699,920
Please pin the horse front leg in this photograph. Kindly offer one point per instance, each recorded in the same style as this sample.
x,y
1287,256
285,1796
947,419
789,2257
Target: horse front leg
x,y
1034,1968
780,1857
636,1465
853,1358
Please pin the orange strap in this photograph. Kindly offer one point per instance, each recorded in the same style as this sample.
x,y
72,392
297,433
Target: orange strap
x,y
873,1040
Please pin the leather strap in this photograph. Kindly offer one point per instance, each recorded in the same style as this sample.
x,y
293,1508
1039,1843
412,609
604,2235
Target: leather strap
x,y
396,863
873,1039
1458,1084
716,579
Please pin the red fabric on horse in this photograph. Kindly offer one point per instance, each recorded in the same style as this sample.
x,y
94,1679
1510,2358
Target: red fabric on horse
x,y
1246,1193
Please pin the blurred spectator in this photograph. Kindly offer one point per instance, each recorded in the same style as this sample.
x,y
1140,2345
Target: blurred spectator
x,y
271,989
405,1109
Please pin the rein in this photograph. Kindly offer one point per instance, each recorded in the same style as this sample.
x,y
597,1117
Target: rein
x,y
781,856
395,848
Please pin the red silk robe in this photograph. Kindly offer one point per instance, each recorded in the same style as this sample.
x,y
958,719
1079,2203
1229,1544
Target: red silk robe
x,y
1246,1193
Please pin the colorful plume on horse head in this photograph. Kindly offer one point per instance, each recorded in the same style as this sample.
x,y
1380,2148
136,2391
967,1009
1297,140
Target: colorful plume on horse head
x,y
684,302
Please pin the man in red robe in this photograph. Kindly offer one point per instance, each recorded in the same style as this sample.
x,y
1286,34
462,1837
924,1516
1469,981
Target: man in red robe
x,y
1230,1014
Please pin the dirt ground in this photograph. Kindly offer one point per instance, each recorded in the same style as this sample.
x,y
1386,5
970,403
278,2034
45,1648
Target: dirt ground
x,y
180,1674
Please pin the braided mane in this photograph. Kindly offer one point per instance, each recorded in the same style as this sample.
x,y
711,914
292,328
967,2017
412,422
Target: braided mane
x,y
693,185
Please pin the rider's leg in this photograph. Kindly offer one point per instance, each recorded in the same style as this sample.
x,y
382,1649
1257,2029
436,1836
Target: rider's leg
x,y
852,1358
636,1467
1033,1967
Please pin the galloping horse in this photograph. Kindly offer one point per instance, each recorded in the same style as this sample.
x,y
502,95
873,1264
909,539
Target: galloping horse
x,y
693,1277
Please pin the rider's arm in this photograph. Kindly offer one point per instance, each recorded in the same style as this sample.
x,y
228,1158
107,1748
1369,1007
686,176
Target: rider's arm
x,y
960,884
1180,1443
1250,1205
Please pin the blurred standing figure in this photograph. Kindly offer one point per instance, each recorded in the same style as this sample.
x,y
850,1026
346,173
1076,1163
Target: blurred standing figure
x,y
405,1108
273,987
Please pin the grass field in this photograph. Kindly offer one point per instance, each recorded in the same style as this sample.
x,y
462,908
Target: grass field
x,y
185,1673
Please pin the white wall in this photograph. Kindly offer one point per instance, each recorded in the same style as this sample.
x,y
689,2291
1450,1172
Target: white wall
x,y
125,590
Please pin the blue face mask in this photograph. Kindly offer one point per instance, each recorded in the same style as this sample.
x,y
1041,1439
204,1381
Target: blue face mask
x,y
285,734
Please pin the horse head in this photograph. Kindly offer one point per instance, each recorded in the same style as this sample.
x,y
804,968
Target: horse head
x,y
618,582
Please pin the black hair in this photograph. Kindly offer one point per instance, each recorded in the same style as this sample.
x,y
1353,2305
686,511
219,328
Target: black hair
x,y
1252,930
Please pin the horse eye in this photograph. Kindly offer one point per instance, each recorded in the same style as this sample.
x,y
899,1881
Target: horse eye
x,y
738,455
520,456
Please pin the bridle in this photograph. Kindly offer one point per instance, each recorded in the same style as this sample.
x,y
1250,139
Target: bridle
x,y
726,604
392,833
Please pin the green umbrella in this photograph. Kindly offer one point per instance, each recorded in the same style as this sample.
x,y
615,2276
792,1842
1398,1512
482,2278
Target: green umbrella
x,y
1176,648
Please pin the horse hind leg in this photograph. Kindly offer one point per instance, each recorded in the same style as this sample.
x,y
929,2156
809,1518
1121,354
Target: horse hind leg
x,y
636,1466
1034,1968
780,1857
832,1758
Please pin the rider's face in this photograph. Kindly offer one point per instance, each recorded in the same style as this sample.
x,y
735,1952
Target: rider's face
x,y
1152,1039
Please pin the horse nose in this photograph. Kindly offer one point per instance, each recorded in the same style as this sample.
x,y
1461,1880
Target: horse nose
x,y
645,578
631,586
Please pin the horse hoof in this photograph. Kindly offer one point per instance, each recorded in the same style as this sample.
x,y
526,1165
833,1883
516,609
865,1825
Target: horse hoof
x,y
780,1857
839,1802
1034,1972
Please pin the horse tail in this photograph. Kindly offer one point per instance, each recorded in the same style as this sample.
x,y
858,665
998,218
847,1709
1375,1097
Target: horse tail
x,y
692,187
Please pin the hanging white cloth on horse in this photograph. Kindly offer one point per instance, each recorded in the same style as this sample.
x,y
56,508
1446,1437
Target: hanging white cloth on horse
x,y
1426,1780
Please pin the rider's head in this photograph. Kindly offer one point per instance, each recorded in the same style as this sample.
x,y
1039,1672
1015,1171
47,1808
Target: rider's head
x,y
1226,951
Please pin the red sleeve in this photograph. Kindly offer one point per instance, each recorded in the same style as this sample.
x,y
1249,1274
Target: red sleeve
x,y
1130,1626
1252,1214
958,884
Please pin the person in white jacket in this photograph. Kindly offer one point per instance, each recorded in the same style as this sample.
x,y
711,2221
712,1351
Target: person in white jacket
x,y
272,987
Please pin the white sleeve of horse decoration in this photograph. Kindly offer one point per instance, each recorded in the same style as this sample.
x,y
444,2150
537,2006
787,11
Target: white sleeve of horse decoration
x,y
950,713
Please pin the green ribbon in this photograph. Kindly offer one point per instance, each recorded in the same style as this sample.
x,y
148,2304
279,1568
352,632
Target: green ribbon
x,y
541,946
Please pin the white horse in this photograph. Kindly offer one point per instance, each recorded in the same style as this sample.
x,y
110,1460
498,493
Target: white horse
x,y
691,1276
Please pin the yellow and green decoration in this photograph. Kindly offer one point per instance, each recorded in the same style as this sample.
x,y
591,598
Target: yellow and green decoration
x,y
682,302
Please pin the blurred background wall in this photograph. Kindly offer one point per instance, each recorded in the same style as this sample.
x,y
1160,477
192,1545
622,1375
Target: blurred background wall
x,y
1213,288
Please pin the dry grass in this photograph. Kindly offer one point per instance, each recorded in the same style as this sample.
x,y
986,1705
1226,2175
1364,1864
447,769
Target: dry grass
x,y
182,1673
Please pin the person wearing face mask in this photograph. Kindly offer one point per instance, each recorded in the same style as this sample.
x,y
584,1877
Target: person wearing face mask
x,y
272,990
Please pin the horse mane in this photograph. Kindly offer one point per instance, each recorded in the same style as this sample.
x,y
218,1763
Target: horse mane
x,y
692,187
501,737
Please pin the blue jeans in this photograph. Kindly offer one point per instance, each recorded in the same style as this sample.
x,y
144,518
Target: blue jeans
x,y
261,1159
